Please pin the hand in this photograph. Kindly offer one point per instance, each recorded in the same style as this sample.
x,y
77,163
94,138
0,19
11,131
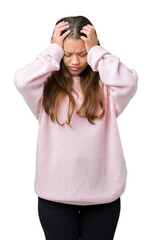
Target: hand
x,y
91,39
57,38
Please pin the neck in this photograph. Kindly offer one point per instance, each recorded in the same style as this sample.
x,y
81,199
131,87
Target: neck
x,y
76,77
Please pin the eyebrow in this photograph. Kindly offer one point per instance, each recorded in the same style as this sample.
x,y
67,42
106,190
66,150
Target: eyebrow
x,y
78,52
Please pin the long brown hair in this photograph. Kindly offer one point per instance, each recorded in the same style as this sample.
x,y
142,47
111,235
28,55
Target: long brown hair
x,y
59,84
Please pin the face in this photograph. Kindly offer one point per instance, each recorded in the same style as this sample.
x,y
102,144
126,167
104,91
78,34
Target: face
x,y
75,55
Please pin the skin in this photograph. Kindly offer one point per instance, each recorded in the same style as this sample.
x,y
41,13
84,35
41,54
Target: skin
x,y
75,55
75,50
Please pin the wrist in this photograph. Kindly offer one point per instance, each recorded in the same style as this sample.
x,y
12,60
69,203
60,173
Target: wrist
x,y
58,43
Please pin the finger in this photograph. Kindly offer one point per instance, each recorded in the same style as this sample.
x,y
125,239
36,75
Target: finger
x,y
85,31
61,23
58,31
63,28
88,27
65,34
83,38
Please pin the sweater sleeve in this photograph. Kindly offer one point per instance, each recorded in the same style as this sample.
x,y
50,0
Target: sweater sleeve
x,y
30,79
122,82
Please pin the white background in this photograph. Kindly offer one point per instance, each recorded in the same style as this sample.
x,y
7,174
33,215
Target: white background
x,y
124,28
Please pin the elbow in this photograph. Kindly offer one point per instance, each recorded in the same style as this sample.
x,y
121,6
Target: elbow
x,y
133,84
18,80
134,81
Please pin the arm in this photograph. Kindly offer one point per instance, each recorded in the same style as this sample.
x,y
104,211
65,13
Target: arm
x,y
30,79
122,81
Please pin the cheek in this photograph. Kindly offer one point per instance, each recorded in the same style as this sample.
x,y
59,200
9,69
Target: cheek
x,y
65,61
84,62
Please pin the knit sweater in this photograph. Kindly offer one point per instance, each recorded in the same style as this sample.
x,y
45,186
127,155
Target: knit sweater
x,y
83,164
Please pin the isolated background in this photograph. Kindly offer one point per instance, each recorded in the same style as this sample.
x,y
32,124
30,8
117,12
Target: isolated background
x,y
26,27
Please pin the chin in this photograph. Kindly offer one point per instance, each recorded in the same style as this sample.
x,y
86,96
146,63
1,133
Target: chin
x,y
75,73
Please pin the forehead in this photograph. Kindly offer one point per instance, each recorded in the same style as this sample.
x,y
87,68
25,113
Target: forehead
x,y
73,45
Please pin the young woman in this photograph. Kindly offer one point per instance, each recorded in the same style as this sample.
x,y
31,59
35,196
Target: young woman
x,y
76,89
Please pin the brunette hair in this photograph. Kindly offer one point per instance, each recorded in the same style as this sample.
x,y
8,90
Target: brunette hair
x,y
59,83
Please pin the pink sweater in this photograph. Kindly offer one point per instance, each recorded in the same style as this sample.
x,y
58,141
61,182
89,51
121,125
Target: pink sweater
x,y
82,165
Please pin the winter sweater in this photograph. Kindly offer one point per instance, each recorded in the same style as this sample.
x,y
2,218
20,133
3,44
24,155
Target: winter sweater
x,y
83,164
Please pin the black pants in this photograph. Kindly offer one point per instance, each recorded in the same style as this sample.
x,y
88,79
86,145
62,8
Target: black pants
x,y
62,221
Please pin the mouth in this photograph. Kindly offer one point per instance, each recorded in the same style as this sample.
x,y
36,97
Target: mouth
x,y
74,68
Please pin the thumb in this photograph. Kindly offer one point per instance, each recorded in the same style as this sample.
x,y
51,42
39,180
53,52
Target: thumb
x,y
83,38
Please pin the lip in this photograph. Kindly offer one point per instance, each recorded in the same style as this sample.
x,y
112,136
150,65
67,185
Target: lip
x,y
74,68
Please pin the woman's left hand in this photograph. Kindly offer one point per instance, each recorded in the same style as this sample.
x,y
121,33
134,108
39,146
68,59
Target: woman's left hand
x,y
91,39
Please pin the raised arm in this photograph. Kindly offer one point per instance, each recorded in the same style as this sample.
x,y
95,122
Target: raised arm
x,y
122,81
30,79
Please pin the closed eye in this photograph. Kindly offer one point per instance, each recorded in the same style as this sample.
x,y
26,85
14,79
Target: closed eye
x,y
82,55
67,55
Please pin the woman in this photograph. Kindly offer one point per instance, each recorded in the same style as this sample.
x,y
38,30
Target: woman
x,y
76,90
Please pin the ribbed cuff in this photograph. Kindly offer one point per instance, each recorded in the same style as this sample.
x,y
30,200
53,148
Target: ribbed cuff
x,y
94,56
53,50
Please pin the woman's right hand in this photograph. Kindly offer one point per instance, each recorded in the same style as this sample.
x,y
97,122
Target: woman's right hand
x,y
57,38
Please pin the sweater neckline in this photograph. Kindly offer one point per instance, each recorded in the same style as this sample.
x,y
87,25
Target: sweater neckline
x,y
76,78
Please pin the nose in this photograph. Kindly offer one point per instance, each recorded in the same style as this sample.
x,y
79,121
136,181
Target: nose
x,y
75,60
